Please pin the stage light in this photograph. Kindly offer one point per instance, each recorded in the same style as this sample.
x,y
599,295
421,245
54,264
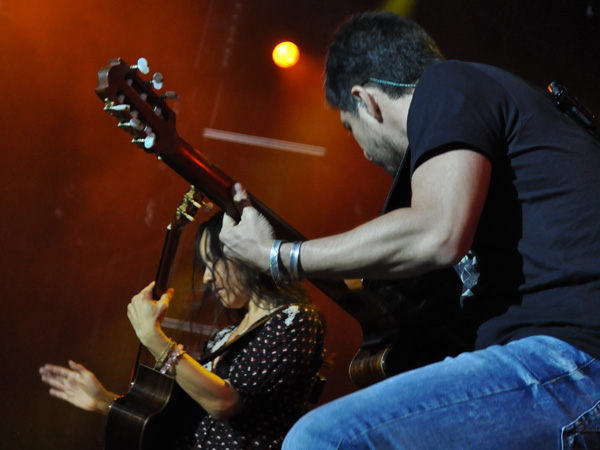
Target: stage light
x,y
286,54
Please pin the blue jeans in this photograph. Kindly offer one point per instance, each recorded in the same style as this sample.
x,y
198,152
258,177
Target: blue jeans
x,y
535,393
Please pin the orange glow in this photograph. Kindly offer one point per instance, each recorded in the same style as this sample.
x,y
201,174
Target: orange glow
x,y
286,54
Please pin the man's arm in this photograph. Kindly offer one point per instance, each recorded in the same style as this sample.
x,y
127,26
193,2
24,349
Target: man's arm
x,y
449,192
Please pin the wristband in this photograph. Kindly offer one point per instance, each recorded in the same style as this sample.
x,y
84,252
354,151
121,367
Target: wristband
x,y
294,261
274,262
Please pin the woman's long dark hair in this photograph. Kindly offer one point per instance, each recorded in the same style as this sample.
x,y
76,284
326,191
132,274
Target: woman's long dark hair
x,y
254,284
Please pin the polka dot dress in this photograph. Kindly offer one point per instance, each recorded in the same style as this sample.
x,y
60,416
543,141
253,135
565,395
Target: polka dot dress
x,y
273,373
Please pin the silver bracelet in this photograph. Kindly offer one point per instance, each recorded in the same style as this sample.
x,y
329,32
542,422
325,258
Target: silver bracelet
x,y
294,259
160,361
274,262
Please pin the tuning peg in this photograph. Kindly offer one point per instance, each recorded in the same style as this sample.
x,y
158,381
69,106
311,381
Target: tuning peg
x,y
136,124
186,215
146,142
190,199
171,95
149,141
112,108
142,66
157,81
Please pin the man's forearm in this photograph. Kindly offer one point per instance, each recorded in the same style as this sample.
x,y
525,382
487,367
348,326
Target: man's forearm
x,y
399,244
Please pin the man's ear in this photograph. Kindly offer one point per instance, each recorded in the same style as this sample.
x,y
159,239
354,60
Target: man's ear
x,y
364,99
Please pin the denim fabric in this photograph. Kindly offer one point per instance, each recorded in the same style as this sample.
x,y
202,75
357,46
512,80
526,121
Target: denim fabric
x,y
536,393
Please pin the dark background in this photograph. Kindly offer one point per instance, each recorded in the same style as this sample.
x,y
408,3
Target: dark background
x,y
84,212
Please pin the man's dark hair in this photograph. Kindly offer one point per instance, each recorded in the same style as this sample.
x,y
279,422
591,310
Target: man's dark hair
x,y
378,45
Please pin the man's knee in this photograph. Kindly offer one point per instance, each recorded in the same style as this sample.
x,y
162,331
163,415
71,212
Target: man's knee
x,y
309,432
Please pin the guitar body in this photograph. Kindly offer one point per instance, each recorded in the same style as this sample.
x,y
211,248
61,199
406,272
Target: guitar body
x,y
151,415
155,410
423,324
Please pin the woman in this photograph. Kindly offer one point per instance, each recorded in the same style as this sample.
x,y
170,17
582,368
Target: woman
x,y
253,392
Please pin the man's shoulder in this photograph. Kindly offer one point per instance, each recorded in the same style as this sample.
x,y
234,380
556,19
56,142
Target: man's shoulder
x,y
457,80
455,69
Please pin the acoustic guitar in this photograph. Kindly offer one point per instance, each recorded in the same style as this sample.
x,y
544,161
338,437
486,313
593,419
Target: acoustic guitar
x,y
155,409
398,333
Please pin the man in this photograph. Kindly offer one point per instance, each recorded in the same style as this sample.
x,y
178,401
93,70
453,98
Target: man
x,y
503,185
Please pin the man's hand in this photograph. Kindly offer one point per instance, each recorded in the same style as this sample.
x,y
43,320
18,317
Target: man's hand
x,y
251,239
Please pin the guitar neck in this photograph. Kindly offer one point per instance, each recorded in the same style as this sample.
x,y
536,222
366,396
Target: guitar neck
x,y
184,214
167,258
195,168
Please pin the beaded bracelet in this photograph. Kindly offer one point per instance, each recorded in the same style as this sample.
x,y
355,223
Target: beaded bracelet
x,y
175,354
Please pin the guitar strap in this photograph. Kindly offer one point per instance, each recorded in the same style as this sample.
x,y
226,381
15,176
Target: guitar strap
x,y
241,337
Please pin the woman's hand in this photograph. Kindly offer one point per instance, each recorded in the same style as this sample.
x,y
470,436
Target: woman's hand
x,y
78,386
147,314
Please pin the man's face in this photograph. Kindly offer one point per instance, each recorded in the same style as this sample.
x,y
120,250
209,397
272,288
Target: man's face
x,y
376,141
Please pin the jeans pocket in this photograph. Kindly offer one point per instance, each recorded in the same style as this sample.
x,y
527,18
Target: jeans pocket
x,y
584,432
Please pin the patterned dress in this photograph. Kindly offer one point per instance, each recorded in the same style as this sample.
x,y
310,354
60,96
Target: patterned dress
x,y
273,372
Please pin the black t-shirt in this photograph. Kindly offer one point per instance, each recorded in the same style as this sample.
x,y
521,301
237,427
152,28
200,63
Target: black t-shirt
x,y
537,246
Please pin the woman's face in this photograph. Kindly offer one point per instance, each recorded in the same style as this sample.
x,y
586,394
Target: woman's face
x,y
223,277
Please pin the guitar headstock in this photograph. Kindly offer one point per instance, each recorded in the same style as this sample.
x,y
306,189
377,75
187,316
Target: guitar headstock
x,y
141,111
192,201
